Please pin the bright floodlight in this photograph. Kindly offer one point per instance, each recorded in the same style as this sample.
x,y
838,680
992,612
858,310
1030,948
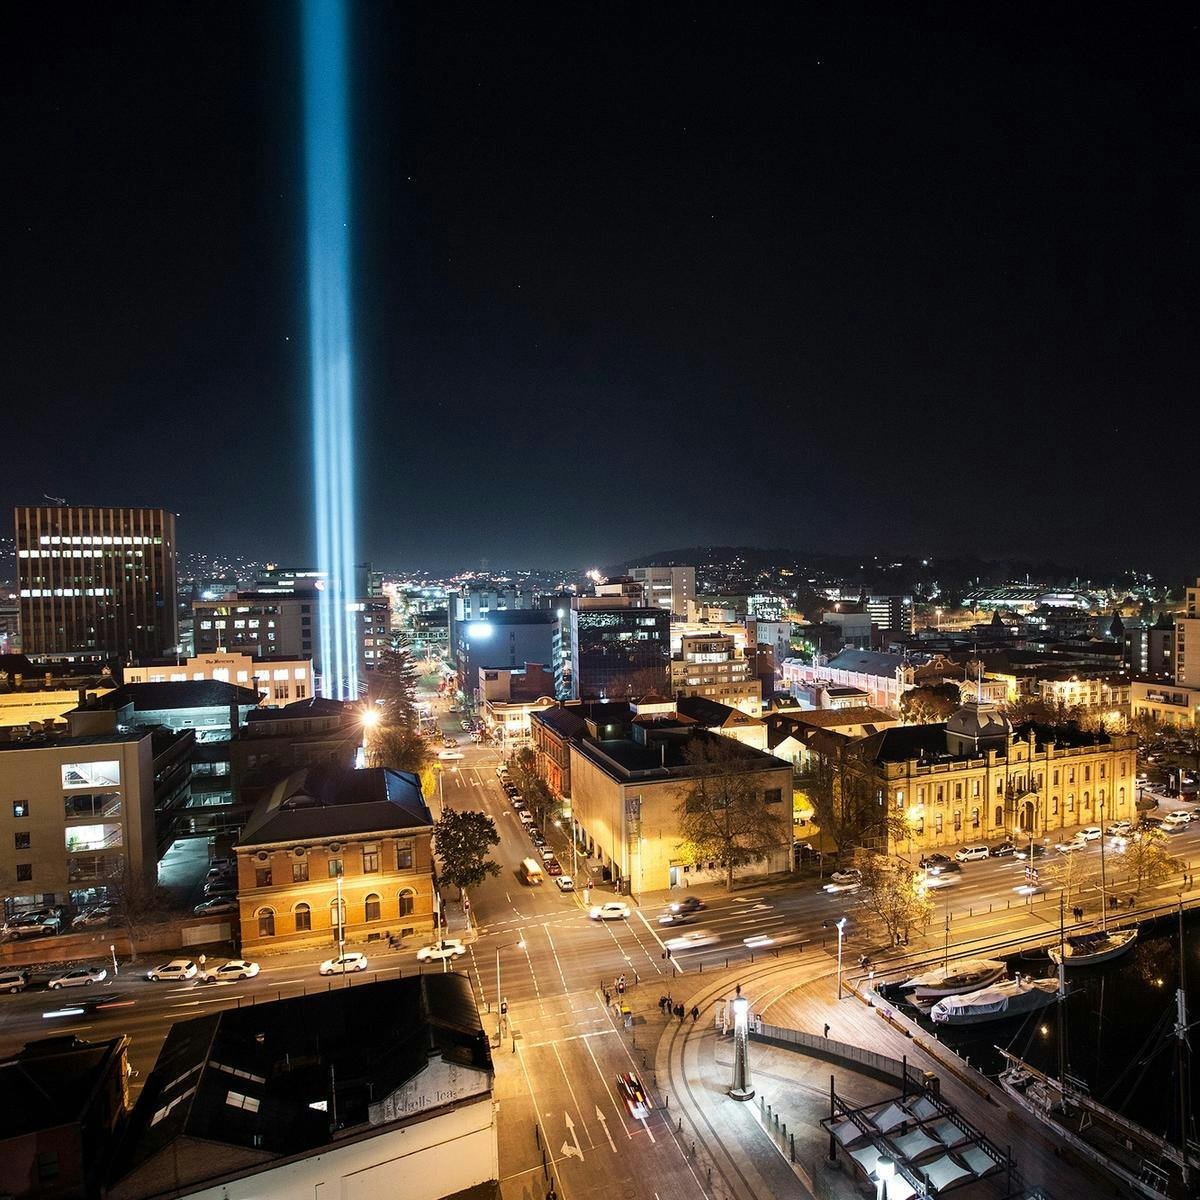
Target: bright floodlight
x,y
330,337
370,718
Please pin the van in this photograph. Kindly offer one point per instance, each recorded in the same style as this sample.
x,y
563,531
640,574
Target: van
x,y
969,853
531,872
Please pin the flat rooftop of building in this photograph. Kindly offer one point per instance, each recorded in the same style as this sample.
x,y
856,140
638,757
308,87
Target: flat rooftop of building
x,y
314,706
831,718
179,665
865,662
79,741
181,693
665,757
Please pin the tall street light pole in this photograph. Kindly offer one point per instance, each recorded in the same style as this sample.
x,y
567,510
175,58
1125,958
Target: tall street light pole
x,y
841,928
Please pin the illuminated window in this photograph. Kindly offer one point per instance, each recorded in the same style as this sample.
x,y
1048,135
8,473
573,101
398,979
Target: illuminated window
x,y
91,774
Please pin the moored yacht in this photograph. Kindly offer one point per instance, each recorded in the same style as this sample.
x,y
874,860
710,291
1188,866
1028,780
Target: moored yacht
x,y
1007,998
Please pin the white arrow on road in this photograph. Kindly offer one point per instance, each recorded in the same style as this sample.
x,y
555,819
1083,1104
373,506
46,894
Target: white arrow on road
x,y
604,1124
568,1150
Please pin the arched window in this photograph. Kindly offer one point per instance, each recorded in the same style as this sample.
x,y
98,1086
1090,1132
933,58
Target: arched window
x,y
999,816
371,907
1087,799
406,902
337,917
266,922
303,918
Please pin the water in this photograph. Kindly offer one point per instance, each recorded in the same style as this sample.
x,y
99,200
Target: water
x,y
1119,1023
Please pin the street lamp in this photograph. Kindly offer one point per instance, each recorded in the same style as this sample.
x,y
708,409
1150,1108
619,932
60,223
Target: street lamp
x,y
841,928
741,1089
502,1005
885,1168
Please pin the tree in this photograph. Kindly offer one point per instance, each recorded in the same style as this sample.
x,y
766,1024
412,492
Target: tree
x,y
396,685
537,796
136,901
725,817
892,897
929,703
845,802
1069,873
1040,711
462,840
1147,860
401,749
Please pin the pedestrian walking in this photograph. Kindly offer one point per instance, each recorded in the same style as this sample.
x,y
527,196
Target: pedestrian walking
x,y
695,1014
680,1012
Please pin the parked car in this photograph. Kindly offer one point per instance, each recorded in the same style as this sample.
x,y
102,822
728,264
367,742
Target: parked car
x,y
344,964
446,948
547,855
1002,850
176,969
220,887
79,977
536,836
42,927
526,817
218,904
13,981
90,918
971,853
612,910
235,968
565,883
553,867
634,1095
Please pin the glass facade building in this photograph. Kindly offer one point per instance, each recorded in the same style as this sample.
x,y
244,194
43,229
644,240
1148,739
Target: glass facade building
x,y
618,652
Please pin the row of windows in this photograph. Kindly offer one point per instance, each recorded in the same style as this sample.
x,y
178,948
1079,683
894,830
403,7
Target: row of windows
x,y
263,876
302,913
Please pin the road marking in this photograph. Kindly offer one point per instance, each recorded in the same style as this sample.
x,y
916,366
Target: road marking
x,y
574,1098
571,1149
604,1124
604,1082
536,1107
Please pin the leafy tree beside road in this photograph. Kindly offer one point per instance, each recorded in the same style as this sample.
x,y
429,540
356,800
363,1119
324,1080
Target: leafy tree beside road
x,y
462,840
892,897
726,817
1147,861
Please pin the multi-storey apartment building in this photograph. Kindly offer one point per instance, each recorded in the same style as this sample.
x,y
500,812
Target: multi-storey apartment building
x,y
332,855
713,667
669,588
96,583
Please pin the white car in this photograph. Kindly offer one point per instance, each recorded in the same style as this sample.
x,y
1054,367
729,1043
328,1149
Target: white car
x,y
564,883
1177,820
850,875
352,960
1071,846
526,816
446,948
1119,829
1090,833
445,755
177,968
91,917
218,904
235,968
613,910
79,977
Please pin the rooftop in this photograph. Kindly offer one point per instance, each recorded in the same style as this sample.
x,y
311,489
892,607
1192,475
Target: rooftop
x,y
293,1064
625,759
713,714
181,693
866,662
330,801
833,718
50,1082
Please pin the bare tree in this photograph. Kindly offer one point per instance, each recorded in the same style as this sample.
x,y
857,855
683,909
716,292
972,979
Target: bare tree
x,y
726,817
892,897
847,804
136,901
1147,860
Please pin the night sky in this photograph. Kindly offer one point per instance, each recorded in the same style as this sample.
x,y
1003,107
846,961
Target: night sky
x,y
628,277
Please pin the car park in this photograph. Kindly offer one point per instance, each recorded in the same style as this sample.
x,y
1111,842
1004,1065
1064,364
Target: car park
x,y
634,1096
971,853
565,883
215,905
13,981
79,977
611,910
235,968
344,964
1002,850
436,951
177,969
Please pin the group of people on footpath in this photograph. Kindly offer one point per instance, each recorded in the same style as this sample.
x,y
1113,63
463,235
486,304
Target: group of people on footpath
x,y
668,1006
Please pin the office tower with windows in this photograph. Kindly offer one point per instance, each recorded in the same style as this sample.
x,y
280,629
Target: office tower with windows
x,y
96,583
619,651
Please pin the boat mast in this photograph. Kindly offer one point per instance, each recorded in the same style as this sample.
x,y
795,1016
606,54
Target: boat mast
x,y
1062,990
1182,1054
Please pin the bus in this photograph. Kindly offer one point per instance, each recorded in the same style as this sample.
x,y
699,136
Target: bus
x,y
531,872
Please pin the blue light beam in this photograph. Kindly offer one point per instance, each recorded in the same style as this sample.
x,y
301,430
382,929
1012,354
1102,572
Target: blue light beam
x,y
327,175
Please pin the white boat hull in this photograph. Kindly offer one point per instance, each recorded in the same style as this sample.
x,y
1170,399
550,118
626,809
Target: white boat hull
x,y
1115,943
955,979
1012,998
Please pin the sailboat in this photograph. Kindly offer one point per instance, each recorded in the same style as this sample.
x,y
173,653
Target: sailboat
x,y
1008,998
952,979
1098,945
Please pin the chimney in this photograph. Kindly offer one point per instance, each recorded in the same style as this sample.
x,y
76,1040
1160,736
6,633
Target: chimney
x,y
234,718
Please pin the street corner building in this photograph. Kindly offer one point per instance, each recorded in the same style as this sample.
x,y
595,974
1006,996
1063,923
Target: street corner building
x,y
382,1089
329,833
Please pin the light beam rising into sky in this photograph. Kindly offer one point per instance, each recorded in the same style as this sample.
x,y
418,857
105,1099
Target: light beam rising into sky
x,y
330,336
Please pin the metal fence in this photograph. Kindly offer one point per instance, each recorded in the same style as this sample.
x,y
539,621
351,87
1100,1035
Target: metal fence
x,y
894,1070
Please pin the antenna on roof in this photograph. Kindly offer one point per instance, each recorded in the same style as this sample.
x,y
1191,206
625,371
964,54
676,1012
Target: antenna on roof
x,y
59,500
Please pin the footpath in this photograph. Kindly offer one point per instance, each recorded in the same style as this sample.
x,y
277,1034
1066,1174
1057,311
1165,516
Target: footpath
x,y
743,1150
